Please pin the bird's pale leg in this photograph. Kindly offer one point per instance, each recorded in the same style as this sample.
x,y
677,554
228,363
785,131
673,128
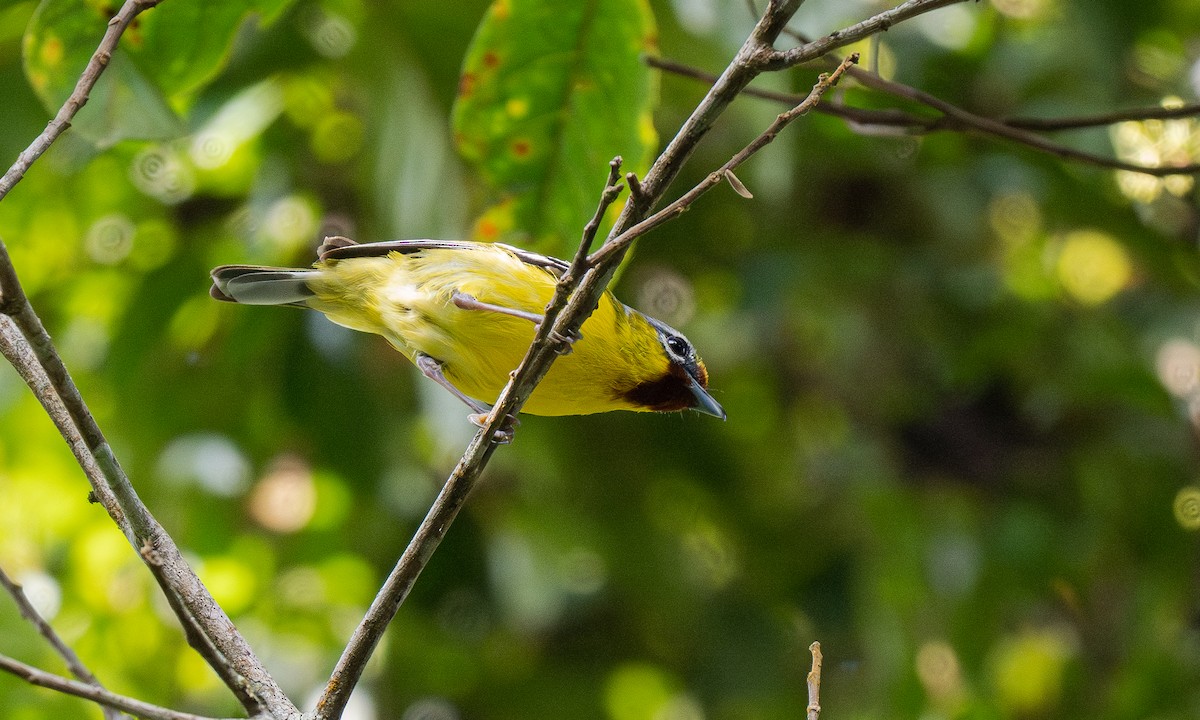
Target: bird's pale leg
x,y
470,302
432,369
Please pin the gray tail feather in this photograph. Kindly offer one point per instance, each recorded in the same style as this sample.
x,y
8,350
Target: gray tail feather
x,y
257,285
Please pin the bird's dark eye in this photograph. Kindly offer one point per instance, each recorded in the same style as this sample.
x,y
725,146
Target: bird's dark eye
x,y
678,346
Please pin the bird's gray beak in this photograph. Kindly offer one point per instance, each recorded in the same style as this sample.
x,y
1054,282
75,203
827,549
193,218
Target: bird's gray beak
x,y
704,402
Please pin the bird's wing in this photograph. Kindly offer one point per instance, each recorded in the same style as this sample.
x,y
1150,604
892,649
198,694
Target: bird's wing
x,y
340,248
554,265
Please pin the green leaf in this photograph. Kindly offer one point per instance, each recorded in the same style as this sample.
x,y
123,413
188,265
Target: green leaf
x,y
550,92
164,57
125,105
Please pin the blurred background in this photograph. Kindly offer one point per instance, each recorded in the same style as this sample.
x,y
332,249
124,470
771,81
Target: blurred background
x,y
962,378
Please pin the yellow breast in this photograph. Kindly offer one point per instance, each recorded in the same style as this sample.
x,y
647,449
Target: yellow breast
x,y
407,299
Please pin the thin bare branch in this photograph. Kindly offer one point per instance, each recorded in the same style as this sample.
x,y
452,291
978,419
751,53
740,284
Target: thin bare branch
x,y
79,96
1013,129
860,116
1109,118
954,118
847,36
18,352
16,349
74,664
814,683
21,356
621,243
612,188
138,708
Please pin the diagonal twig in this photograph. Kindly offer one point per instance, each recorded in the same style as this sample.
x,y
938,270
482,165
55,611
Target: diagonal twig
x,y
74,664
138,708
79,96
621,243
841,38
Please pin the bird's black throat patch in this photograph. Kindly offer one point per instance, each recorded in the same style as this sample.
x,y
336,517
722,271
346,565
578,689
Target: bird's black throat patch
x,y
666,394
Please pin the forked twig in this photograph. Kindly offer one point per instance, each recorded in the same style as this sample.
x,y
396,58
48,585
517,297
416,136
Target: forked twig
x,y
621,243
69,656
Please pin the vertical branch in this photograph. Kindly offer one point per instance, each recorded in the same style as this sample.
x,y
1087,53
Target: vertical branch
x,y
814,683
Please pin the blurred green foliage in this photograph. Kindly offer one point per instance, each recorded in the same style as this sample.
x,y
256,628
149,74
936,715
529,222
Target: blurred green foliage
x,y
546,90
963,382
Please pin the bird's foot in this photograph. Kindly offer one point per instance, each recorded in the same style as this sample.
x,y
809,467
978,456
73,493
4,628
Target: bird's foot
x,y
563,344
504,435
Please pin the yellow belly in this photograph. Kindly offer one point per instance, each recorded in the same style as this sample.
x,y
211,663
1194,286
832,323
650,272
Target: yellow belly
x,y
407,299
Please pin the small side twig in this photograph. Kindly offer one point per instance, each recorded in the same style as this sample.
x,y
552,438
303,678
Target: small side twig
x,y
138,708
635,188
814,683
612,189
848,36
79,96
622,242
74,664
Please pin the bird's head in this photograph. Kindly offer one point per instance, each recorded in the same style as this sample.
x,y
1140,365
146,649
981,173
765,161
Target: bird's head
x,y
685,382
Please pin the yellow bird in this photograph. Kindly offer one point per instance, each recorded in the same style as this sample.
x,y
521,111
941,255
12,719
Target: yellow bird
x,y
465,313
